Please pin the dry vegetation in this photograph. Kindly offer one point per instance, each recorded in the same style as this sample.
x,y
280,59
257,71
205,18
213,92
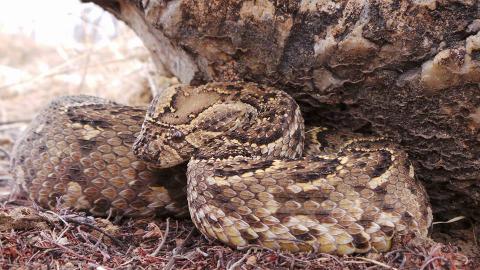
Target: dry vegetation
x,y
34,238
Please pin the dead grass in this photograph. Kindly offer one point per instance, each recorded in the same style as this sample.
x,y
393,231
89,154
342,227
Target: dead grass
x,y
33,238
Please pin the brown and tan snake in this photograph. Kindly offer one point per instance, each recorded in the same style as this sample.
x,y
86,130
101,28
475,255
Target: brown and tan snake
x,y
254,176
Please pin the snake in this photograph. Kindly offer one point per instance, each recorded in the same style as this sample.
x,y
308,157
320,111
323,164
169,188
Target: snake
x,y
235,157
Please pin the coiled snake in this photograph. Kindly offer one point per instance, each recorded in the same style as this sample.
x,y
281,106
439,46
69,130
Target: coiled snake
x,y
249,178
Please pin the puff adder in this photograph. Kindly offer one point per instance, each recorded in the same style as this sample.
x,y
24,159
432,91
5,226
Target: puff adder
x,y
254,175
77,153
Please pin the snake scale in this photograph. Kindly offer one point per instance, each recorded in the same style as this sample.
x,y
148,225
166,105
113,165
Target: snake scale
x,y
239,154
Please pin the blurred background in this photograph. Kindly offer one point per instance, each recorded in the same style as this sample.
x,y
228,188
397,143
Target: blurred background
x,y
69,49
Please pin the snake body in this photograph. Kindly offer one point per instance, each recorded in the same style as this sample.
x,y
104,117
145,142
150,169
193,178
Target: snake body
x,y
78,150
254,176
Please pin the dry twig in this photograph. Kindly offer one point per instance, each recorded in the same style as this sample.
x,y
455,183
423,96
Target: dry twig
x,y
164,238
377,263
239,262
92,226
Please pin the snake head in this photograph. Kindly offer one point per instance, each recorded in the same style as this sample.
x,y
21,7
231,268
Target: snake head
x,y
183,119
163,146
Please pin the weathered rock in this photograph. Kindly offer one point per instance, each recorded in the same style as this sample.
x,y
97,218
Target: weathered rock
x,y
409,69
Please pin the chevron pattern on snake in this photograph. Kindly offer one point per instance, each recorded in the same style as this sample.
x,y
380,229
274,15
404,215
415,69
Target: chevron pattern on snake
x,y
77,153
247,181
248,184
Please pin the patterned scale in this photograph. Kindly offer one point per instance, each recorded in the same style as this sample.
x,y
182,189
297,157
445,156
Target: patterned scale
x,y
251,180
352,195
79,149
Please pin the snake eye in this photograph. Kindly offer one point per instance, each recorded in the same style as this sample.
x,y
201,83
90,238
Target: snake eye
x,y
177,136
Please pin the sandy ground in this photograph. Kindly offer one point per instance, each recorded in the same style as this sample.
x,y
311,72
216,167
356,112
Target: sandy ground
x,y
34,238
